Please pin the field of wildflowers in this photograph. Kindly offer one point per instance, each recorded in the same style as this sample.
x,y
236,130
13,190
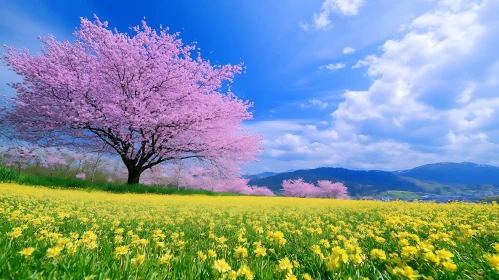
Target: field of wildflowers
x,y
48,233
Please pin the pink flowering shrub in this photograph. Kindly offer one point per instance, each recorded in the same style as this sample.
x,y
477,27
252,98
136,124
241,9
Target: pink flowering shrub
x,y
81,176
326,189
212,180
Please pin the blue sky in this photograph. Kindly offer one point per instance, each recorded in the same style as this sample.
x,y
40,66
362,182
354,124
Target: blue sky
x,y
361,84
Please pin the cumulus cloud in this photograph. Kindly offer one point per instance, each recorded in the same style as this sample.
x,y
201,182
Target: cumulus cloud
x,y
348,50
322,21
314,103
333,66
345,7
433,97
304,26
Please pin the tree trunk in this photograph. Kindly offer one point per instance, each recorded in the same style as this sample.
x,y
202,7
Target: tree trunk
x,y
133,176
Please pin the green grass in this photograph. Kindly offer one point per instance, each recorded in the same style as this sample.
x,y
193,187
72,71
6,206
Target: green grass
x,y
9,175
404,195
489,199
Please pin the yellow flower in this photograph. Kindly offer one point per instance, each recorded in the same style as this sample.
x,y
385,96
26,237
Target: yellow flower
x,y
444,254
306,276
379,239
245,271
241,252
166,258
53,252
15,233
409,252
357,259
202,256
448,265
121,250
221,266
138,260
260,252
316,249
493,261
340,253
212,253
378,254
290,276
332,262
431,257
232,274
404,242
26,252
284,265
406,271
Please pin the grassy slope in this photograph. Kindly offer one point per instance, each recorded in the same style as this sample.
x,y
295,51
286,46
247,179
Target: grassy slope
x,y
7,175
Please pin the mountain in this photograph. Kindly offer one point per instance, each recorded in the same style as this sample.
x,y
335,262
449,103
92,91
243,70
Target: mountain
x,y
259,175
357,182
466,173
438,178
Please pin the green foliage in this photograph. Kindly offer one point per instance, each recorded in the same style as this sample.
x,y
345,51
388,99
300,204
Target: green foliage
x,y
9,175
400,195
490,199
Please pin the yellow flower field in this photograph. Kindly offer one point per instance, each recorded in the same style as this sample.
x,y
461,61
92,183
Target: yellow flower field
x,y
47,233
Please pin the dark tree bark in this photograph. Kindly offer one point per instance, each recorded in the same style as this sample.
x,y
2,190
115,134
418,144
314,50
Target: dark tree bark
x,y
134,176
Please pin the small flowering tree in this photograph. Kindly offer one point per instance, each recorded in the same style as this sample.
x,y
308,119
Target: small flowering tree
x,y
332,190
298,188
208,179
20,157
144,97
327,189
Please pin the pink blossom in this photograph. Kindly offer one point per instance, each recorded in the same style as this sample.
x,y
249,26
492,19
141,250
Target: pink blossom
x,y
81,176
332,190
327,189
144,96
298,188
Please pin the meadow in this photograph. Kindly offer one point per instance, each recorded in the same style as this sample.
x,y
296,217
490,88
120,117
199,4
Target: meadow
x,y
48,233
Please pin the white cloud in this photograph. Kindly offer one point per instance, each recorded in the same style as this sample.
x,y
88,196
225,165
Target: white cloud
x,y
432,45
433,97
348,50
333,66
465,95
322,20
304,26
345,7
314,103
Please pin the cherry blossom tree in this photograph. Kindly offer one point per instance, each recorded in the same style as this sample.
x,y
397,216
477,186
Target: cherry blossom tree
x,y
327,189
145,96
20,157
332,190
208,179
298,188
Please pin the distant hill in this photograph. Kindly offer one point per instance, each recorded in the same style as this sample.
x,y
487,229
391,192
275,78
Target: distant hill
x,y
259,175
466,173
357,182
430,178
